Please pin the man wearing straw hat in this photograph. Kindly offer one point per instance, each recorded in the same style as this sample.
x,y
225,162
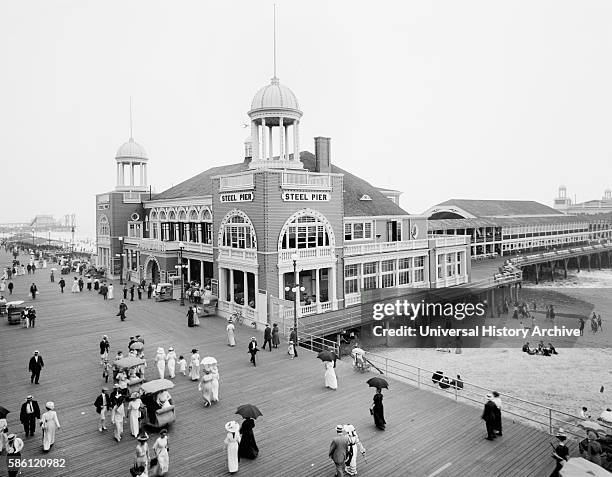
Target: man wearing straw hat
x,y
488,415
561,453
30,412
103,404
338,450
13,454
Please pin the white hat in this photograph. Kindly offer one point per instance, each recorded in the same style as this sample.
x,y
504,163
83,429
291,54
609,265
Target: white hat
x,y
160,350
489,396
170,348
232,426
50,405
560,433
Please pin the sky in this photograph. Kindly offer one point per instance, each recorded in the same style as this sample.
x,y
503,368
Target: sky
x,y
441,99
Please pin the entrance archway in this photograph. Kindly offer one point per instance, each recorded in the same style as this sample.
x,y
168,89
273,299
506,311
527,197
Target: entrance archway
x,y
152,270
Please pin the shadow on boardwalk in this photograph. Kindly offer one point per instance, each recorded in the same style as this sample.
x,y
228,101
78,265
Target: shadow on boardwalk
x,y
425,432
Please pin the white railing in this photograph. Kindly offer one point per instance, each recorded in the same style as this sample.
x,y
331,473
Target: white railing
x,y
238,254
305,310
306,180
452,240
354,299
326,306
198,247
152,244
305,253
381,247
131,197
451,281
308,309
237,182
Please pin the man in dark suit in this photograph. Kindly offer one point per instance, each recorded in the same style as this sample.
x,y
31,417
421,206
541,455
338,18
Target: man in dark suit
x,y
30,412
253,350
268,337
35,366
489,414
103,404
104,345
338,450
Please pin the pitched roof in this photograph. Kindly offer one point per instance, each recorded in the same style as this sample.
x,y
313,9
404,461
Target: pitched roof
x,y
501,208
354,189
449,224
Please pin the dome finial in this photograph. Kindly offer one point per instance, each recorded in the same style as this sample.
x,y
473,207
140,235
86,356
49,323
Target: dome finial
x,y
131,135
274,35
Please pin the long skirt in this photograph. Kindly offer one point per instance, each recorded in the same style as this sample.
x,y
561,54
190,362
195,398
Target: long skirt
x,y
194,372
207,392
134,424
163,460
231,339
118,427
215,389
330,377
232,456
48,436
171,367
161,368
379,416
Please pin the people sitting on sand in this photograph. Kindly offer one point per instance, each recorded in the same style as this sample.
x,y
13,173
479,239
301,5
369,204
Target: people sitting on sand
x,y
606,416
435,377
584,413
527,349
445,382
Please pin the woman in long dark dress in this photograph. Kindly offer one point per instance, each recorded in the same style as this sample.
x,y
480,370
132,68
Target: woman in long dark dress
x,y
378,410
248,447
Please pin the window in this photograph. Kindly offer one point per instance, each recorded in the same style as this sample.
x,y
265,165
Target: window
x,y
103,226
419,269
358,231
351,279
238,232
387,273
404,266
369,275
394,231
451,265
305,232
135,229
440,266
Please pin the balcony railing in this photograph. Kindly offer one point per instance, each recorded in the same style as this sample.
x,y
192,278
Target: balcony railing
x,y
167,246
238,254
198,247
306,310
305,253
305,180
354,299
381,247
452,240
237,182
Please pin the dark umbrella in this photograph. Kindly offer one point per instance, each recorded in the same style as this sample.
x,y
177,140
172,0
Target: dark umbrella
x,y
249,410
326,356
378,383
3,412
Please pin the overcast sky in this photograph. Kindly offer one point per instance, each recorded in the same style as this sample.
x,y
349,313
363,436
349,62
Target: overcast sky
x,y
444,99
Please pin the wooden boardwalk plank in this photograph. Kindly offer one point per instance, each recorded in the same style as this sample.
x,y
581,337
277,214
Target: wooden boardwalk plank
x,y
426,431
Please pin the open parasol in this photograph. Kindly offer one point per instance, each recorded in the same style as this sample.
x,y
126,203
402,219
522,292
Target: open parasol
x,y
137,345
128,362
579,467
3,412
326,356
156,385
54,269
355,351
208,361
606,416
249,410
377,382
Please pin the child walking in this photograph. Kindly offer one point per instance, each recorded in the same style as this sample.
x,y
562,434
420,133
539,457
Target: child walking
x,y
291,350
182,365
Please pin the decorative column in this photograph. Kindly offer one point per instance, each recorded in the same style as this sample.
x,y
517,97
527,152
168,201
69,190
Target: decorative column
x,y
317,290
286,155
271,146
255,140
199,229
333,285
264,147
246,288
118,174
121,174
296,140
202,273
131,173
144,166
231,274
256,289
141,174
281,130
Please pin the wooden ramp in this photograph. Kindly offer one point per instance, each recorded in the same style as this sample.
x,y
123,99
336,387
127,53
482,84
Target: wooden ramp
x,y
427,434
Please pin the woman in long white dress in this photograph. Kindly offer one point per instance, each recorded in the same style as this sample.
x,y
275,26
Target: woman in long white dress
x,y
160,449
75,285
331,381
134,414
160,361
206,386
232,440
3,434
194,365
215,383
171,360
111,292
49,424
354,446
231,338
117,417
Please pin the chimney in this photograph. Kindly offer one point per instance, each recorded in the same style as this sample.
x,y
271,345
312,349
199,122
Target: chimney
x,y
322,154
248,151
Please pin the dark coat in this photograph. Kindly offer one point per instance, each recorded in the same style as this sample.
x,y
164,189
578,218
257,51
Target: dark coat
x,y
489,412
98,403
268,334
23,415
293,337
104,346
248,447
338,449
36,365
253,347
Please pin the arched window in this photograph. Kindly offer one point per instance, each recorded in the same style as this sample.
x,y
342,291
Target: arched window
x,y
206,216
153,216
306,229
193,216
162,216
182,216
237,231
103,226
171,216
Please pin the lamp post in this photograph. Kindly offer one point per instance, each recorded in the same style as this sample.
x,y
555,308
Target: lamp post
x,y
120,255
296,289
33,230
180,267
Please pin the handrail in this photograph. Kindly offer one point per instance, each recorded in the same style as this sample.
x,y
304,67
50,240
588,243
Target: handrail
x,y
524,409
315,343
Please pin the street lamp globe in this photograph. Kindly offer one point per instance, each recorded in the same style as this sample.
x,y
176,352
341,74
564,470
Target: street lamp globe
x,y
294,256
287,288
181,245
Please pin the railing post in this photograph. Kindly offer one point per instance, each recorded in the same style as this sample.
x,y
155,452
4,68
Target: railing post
x,y
455,391
550,427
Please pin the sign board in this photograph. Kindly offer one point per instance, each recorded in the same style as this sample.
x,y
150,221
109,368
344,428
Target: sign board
x,y
302,196
236,197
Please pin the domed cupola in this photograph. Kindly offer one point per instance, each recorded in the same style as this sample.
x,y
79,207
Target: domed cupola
x,y
275,118
133,157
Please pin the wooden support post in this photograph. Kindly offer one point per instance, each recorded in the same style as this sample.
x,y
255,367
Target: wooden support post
x,y
537,273
493,307
552,271
565,268
578,259
589,262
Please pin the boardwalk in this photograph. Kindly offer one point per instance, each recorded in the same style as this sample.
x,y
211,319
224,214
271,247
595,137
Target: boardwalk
x,y
426,434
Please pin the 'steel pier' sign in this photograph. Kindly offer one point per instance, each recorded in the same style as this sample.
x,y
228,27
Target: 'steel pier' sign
x,y
300,196
236,197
